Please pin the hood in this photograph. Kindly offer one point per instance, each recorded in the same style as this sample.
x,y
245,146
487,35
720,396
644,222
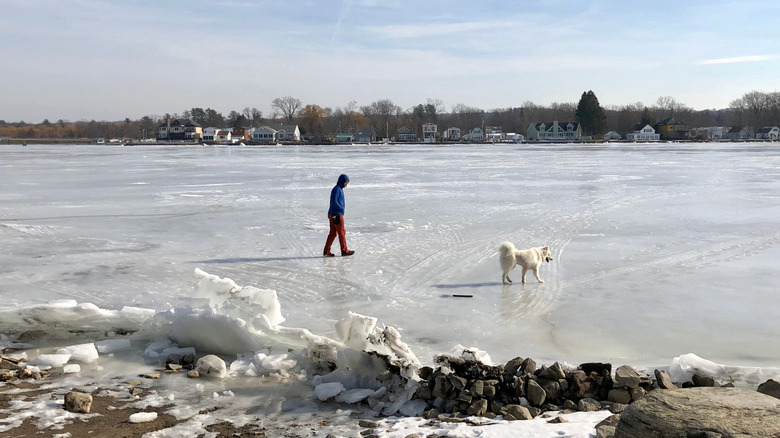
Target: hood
x,y
342,179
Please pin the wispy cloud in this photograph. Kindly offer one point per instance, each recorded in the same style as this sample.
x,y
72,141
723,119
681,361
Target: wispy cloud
x,y
738,59
435,29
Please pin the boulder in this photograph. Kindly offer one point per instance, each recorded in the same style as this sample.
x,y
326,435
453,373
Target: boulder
x,y
770,387
519,412
729,412
554,372
78,402
663,380
628,377
535,393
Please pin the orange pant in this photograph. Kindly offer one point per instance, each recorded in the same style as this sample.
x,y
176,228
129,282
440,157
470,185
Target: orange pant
x,y
336,230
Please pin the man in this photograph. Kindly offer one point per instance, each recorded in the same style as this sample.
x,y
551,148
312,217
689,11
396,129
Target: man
x,y
336,218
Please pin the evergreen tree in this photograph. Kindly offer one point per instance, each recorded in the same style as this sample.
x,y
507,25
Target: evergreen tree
x,y
591,115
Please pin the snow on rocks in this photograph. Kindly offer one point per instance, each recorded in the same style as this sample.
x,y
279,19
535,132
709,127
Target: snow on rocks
x,y
142,417
211,365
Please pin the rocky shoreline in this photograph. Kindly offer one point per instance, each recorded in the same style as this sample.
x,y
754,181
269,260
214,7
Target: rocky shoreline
x,y
465,390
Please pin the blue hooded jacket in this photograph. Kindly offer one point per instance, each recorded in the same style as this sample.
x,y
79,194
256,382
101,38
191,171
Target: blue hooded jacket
x,y
337,203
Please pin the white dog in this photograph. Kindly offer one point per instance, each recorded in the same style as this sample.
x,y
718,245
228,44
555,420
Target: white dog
x,y
531,258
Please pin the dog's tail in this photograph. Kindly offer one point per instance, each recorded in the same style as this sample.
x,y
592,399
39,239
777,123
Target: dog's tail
x,y
506,248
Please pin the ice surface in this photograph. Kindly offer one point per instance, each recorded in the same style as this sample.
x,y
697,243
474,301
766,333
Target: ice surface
x,y
661,251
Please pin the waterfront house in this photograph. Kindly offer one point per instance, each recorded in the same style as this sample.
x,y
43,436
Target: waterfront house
x,y
429,131
179,129
671,129
740,133
405,134
555,131
768,133
209,133
452,134
365,136
643,133
264,134
476,135
345,137
612,135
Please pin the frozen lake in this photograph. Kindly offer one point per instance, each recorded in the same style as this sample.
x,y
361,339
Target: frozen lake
x,y
659,250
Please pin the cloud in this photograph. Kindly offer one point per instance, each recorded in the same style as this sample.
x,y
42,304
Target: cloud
x,y
436,29
738,59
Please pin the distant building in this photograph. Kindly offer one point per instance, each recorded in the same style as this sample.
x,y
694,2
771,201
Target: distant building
x,y
405,134
429,131
476,135
365,136
179,129
452,134
643,133
740,133
555,131
493,134
345,137
768,133
671,129
209,133
264,134
612,135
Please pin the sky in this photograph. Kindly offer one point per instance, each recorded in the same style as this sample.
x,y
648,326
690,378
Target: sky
x,y
111,59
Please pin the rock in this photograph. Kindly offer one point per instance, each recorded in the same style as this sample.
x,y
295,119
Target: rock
x,y
663,380
596,367
519,412
554,372
211,365
551,388
770,387
628,377
637,393
489,391
619,395
617,408
588,405
700,380
442,387
605,431
432,413
513,366
78,402
193,374
581,384
6,364
369,424
528,366
478,408
151,375
477,388
726,411
535,393
557,420
570,405
459,383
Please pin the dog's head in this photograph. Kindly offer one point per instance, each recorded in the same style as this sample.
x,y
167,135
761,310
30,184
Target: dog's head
x,y
546,254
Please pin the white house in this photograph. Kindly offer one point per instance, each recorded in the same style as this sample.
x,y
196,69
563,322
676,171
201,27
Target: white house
x,y
429,131
612,135
768,133
224,136
514,137
452,134
209,133
646,133
476,134
287,133
406,134
555,131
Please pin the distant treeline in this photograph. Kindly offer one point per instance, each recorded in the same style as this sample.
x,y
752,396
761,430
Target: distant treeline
x,y
755,109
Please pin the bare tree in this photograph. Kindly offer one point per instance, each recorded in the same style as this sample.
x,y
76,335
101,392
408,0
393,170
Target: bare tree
x,y
755,103
288,106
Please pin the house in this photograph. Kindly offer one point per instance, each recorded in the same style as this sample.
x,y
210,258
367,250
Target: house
x,y
287,133
365,136
452,134
612,135
240,134
224,136
740,133
345,137
555,131
476,135
429,131
768,133
493,134
643,133
512,137
179,129
264,134
209,133
671,129
406,134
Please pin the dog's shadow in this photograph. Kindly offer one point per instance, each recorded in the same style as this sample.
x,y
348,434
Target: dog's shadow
x,y
466,285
